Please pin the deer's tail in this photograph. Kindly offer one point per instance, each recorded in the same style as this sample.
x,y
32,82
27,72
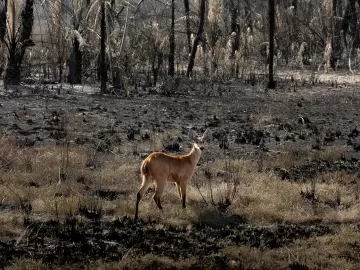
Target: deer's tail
x,y
144,168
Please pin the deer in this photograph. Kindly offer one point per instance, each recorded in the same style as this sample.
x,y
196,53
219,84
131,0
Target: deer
x,y
159,168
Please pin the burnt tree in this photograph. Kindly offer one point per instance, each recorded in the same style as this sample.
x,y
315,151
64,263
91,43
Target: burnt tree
x,y
187,22
197,38
17,42
102,63
271,83
171,70
2,33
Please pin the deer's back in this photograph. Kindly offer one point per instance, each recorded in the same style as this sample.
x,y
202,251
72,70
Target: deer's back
x,y
172,167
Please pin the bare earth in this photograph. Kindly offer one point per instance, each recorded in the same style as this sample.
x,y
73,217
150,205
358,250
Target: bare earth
x,y
246,122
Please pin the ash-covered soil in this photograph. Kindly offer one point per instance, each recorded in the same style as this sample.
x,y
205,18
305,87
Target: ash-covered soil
x,y
244,121
81,243
241,117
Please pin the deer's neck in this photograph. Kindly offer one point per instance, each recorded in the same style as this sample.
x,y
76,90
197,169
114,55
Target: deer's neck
x,y
194,156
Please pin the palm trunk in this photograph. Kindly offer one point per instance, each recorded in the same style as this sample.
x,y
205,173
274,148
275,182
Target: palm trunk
x,y
336,40
76,57
59,45
75,63
248,16
102,64
3,35
3,22
117,75
171,71
235,28
271,84
17,48
197,38
187,22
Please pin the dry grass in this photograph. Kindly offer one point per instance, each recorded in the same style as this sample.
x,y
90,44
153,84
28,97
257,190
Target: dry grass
x,y
298,155
338,251
264,117
27,264
288,158
269,199
234,187
33,176
11,224
263,197
328,154
147,261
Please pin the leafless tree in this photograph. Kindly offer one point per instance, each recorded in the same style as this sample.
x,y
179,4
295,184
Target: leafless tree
x,y
102,61
197,38
17,38
271,83
171,70
187,22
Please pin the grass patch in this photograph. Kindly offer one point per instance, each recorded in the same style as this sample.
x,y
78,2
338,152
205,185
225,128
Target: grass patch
x,y
340,253
231,187
226,192
288,158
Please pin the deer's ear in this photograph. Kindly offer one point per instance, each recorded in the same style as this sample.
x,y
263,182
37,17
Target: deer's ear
x,y
192,135
207,136
198,140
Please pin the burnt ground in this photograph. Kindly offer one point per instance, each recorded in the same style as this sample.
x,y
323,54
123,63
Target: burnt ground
x,y
74,243
239,116
244,120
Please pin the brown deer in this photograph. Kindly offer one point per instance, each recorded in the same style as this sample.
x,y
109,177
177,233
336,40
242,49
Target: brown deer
x,y
159,168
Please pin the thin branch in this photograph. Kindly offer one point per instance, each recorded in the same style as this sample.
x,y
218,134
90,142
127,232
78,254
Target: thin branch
x,y
138,6
122,46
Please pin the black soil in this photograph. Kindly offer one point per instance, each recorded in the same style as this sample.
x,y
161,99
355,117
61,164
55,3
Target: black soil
x,y
80,243
245,121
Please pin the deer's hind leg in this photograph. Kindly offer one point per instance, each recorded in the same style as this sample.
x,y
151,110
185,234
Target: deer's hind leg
x,y
178,189
147,181
183,193
160,185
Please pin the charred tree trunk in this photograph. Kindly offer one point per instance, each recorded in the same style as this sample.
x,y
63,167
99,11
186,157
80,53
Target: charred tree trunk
x,y
156,64
187,22
340,8
234,11
102,64
235,27
336,30
328,52
294,3
350,22
197,38
248,16
3,12
171,71
75,63
233,7
271,84
18,47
